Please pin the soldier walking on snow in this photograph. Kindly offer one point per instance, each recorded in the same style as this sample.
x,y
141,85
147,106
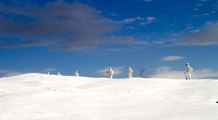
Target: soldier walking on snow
x,y
110,72
188,71
76,74
129,71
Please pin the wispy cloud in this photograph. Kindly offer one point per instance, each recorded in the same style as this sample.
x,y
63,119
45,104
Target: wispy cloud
x,y
205,73
60,26
131,20
167,72
7,73
49,69
139,20
206,36
172,58
201,12
150,19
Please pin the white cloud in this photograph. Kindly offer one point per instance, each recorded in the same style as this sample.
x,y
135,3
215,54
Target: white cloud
x,y
167,72
172,58
140,20
148,20
117,70
131,20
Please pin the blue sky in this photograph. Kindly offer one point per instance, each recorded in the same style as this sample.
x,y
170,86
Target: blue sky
x,y
92,35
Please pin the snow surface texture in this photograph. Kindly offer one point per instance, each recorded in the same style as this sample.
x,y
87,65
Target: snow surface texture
x,y
53,97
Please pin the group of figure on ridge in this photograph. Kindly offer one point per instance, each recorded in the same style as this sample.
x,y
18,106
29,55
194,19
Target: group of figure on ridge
x,y
110,72
76,74
188,71
129,72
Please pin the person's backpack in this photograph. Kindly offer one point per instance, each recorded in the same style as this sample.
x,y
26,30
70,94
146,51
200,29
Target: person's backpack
x,y
189,69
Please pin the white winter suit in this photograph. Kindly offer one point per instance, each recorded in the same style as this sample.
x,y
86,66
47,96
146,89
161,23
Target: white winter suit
x,y
129,72
110,72
188,71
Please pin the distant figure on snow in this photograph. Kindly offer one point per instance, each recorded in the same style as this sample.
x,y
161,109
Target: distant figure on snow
x,y
129,71
110,72
59,73
188,71
76,74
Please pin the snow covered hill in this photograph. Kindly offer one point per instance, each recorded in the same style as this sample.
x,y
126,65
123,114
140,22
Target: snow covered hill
x,y
53,97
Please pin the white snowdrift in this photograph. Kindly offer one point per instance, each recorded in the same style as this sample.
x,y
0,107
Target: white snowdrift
x,y
52,97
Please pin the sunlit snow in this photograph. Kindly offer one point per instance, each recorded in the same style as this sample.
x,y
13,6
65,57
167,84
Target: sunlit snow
x,y
54,97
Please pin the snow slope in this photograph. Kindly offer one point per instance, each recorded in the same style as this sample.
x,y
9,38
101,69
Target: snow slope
x,y
53,97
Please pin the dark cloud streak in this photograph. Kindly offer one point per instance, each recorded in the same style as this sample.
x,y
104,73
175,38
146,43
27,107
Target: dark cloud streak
x,y
208,35
62,26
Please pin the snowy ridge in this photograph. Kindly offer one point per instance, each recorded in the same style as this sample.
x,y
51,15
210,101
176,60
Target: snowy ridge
x,y
52,97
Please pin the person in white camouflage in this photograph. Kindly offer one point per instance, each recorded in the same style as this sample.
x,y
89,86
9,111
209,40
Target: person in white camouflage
x,y
188,71
110,72
129,71
76,74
